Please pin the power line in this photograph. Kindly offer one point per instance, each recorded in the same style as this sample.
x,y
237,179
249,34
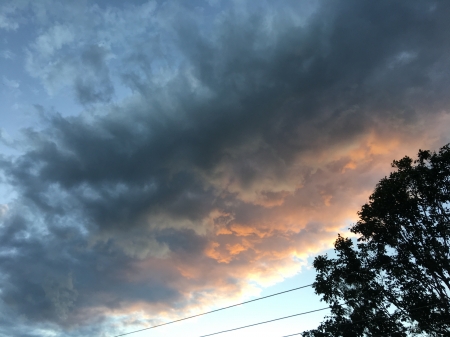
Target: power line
x,y
210,312
277,319
259,323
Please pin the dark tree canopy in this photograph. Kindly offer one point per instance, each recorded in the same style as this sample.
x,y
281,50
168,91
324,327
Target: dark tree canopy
x,y
395,281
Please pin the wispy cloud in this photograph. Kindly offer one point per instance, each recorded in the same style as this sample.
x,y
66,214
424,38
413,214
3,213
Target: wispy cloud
x,y
10,83
7,54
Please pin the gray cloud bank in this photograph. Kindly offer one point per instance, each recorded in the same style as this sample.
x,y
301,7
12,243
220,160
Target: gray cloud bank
x,y
189,177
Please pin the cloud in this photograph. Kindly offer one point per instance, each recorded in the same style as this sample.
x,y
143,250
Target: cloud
x,y
53,40
12,84
8,55
7,22
94,85
242,145
76,54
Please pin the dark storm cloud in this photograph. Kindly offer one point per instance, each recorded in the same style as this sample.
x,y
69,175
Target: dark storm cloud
x,y
242,100
49,275
354,65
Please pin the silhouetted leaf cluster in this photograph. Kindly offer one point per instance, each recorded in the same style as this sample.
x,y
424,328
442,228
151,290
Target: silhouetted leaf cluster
x,y
395,281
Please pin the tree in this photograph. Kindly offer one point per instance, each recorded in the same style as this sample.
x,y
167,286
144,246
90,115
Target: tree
x,y
395,279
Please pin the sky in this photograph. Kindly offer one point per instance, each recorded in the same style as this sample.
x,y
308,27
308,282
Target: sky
x,y
160,159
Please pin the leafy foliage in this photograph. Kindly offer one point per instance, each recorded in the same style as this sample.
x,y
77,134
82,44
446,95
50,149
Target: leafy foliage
x,y
395,281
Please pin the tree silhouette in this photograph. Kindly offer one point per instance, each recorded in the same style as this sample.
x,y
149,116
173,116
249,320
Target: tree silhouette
x,y
395,280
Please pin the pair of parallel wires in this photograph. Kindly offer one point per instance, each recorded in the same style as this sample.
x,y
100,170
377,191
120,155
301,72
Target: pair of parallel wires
x,y
250,325
231,306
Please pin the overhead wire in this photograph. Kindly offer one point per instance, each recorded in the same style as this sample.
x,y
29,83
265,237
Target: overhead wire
x,y
215,310
250,325
259,323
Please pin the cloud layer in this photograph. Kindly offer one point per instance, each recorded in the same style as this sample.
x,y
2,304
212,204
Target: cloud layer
x,y
219,146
